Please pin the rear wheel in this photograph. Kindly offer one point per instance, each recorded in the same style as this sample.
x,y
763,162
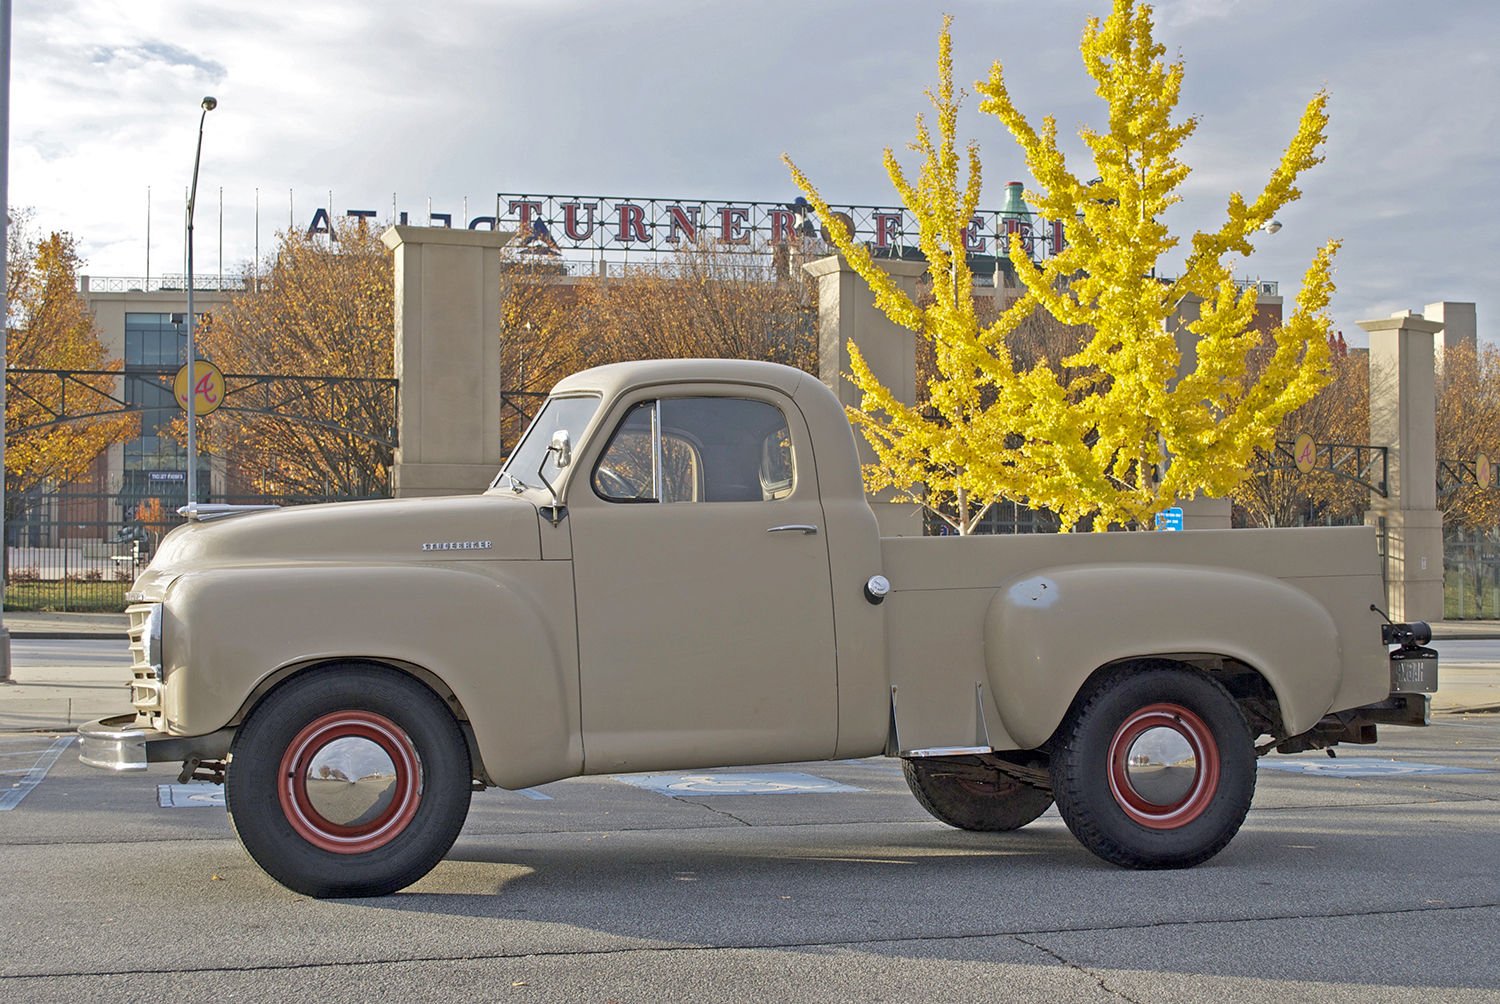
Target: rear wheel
x,y
353,781
1154,768
972,797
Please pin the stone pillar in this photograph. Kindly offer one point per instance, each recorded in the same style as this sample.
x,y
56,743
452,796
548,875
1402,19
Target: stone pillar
x,y
847,313
1403,419
1460,327
447,359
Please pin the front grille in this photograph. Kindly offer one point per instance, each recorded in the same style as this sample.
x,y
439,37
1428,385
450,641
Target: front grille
x,y
145,688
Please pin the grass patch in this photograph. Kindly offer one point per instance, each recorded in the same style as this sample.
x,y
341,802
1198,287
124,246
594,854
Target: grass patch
x,y
78,597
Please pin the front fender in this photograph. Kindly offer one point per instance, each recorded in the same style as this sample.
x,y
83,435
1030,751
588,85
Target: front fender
x,y
1046,634
496,639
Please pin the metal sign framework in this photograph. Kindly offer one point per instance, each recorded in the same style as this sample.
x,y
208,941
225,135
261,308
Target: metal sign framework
x,y
1368,465
1457,473
1357,462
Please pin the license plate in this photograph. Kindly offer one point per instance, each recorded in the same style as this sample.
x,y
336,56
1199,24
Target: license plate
x,y
1414,671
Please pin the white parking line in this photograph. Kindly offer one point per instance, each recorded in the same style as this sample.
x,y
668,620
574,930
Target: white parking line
x,y
11,798
534,794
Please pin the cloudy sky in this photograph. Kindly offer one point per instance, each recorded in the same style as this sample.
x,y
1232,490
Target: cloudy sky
x,y
385,104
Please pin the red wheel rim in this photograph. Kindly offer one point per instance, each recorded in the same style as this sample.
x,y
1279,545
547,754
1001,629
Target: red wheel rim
x,y
1148,808
398,800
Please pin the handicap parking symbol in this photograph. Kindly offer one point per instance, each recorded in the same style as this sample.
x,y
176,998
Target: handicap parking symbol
x,y
190,796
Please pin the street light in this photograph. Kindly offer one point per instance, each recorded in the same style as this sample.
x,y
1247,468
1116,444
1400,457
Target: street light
x,y
208,104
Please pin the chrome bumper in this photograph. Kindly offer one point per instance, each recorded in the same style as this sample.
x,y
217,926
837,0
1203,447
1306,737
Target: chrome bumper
x,y
118,744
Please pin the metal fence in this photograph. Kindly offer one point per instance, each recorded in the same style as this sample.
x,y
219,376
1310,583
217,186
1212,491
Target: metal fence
x,y
80,550
1471,574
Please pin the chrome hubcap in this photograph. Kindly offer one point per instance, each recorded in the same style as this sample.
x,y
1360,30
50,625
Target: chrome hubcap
x,y
351,781
1161,766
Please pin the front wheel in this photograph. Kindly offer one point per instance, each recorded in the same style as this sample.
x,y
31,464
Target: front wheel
x,y
353,781
973,798
1154,767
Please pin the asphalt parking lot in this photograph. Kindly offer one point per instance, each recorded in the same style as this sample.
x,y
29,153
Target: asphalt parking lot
x,y
1374,876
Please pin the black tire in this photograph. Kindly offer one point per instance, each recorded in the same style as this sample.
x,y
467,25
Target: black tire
x,y
284,774
958,798
1133,806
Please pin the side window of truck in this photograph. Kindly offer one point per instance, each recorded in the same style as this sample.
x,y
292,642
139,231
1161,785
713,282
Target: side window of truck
x,y
698,449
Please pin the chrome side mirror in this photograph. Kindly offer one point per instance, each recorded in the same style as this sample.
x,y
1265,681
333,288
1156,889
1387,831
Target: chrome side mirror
x,y
562,446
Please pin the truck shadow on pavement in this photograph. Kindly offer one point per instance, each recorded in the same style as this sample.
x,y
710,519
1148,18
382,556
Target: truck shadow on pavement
x,y
1289,900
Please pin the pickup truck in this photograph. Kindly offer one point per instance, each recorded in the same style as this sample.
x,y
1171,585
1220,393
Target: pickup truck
x,y
678,568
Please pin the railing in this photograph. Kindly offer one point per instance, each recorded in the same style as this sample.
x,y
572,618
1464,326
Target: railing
x,y
159,284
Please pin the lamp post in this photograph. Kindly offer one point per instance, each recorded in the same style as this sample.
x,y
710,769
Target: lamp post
x,y
208,104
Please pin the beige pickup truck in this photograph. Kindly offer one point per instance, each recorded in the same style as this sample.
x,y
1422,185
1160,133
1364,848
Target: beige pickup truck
x,y
677,568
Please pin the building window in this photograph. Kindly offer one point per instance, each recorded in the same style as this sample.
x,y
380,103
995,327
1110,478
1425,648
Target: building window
x,y
152,340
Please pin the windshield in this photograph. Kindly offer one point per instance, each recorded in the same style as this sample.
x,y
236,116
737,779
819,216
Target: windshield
x,y
570,413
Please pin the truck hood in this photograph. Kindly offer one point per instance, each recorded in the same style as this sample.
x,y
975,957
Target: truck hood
x,y
383,531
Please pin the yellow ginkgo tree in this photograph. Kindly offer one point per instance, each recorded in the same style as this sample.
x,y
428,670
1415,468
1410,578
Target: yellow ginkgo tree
x,y
1112,432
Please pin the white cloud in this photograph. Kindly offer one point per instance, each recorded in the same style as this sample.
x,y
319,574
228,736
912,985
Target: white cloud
x,y
660,98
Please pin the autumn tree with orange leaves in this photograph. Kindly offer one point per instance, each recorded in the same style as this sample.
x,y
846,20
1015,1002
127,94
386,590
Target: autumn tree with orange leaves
x,y
320,309
1468,424
703,302
55,426
1278,494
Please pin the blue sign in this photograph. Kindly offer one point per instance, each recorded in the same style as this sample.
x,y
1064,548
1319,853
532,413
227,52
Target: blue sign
x,y
1169,519
705,783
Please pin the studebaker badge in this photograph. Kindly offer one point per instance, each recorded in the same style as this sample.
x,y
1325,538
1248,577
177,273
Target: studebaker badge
x,y
458,545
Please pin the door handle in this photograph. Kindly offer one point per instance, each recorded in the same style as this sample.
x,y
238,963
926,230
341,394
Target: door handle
x,y
804,528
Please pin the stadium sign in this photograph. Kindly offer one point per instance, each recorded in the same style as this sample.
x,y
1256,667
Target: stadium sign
x,y
561,223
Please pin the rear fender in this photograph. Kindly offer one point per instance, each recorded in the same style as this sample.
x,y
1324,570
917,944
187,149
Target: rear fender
x,y
1047,633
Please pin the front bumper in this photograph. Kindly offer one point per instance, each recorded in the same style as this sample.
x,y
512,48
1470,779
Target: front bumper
x,y
118,744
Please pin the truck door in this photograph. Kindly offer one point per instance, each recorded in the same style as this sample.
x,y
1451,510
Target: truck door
x,y
705,613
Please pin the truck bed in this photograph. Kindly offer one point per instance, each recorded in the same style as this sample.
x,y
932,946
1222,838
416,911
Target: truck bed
x,y
979,627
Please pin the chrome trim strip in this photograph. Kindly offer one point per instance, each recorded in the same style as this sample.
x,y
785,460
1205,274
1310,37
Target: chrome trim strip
x,y
658,476
206,511
981,727
948,751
